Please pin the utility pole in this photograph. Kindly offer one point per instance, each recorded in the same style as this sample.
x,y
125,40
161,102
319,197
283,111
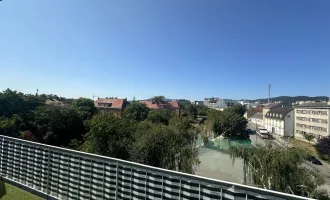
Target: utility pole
x,y
268,94
256,130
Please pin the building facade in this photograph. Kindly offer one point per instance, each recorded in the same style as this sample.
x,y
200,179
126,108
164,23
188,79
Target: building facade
x,y
280,121
312,118
217,103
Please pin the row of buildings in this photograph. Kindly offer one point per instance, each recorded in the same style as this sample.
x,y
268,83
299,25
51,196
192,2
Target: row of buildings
x,y
220,103
118,105
303,118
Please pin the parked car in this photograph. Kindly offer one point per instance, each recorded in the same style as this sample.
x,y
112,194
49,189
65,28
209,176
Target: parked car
x,y
314,160
249,131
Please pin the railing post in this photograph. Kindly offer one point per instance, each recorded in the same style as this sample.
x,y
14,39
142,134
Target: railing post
x,y
90,179
130,187
180,188
116,180
48,166
68,176
162,186
103,182
1,150
199,190
145,184
221,193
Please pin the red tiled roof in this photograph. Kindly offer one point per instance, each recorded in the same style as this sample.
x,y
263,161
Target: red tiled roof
x,y
165,105
150,104
116,103
175,104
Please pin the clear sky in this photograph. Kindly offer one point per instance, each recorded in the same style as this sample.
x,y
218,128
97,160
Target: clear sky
x,y
177,48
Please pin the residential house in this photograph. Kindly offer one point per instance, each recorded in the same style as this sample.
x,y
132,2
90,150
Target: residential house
x,y
257,118
280,121
172,106
109,104
312,118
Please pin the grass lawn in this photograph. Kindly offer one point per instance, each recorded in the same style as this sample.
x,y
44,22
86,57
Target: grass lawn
x,y
304,145
9,192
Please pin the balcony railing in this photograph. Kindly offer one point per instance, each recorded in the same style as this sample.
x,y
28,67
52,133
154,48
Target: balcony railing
x,y
58,173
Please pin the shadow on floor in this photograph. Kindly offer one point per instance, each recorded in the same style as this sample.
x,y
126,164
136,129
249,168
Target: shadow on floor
x,y
3,191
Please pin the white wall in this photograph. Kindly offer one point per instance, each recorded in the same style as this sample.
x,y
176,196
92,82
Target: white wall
x,y
289,124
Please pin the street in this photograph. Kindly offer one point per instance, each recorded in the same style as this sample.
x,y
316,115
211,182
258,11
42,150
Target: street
x,y
257,139
218,165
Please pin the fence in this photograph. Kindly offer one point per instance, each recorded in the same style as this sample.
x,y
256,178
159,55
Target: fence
x,y
66,174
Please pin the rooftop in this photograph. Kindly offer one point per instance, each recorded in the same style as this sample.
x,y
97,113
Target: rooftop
x,y
278,113
314,105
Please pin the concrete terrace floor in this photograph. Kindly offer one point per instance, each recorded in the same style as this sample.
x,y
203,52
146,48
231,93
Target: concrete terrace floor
x,y
218,165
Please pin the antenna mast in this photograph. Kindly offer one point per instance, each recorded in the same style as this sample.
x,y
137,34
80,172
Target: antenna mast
x,y
269,93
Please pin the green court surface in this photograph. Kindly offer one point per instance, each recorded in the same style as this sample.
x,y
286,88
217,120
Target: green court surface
x,y
10,192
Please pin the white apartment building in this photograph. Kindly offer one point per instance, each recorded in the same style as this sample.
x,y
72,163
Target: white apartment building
x,y
312,118
280,121
219,103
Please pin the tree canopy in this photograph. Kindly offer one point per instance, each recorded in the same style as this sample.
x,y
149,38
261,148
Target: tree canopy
x,y
58,125
136,111
158,117
84,107
323,148
278,169
158,99
109,136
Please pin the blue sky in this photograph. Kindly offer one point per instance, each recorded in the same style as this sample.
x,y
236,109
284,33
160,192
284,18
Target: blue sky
x,y
180,49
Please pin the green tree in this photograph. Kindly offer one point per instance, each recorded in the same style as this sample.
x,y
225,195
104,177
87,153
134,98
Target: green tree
x,y
323,148
84,107
109,136
58,125
278,169
192,111
170,147
202,110
236,108
158,117
10,126
158,99
11,102
309,137
136,111
230,124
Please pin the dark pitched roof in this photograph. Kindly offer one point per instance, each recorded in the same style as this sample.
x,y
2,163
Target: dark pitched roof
x,y
272,105
313,105
258,115
278,113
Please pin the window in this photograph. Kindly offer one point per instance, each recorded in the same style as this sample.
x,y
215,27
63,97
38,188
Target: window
x,y
319,120
310,112
304,111
310,119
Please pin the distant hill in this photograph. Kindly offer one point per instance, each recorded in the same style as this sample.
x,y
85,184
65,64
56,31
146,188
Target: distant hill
x,y
293,99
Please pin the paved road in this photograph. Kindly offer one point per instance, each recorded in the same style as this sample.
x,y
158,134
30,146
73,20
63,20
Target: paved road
x,y
258,140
